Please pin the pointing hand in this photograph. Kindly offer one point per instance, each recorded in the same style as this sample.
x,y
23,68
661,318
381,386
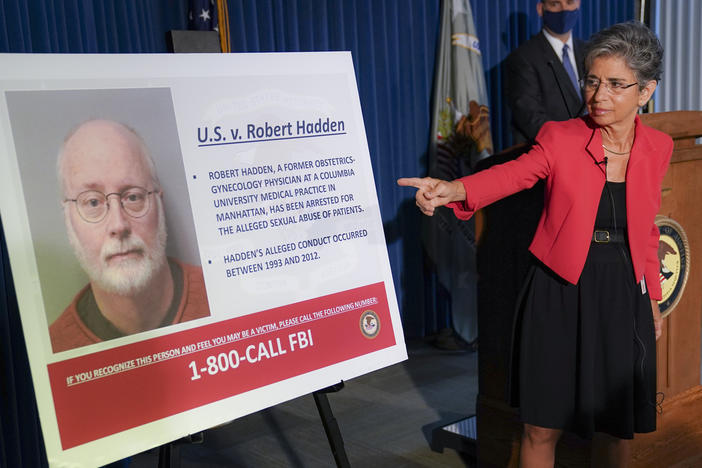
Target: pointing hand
x,y
432,193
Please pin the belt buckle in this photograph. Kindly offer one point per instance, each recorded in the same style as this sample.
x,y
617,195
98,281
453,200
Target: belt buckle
x,y
601,237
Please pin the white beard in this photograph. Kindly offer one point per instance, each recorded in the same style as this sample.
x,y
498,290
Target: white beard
x,y
129,276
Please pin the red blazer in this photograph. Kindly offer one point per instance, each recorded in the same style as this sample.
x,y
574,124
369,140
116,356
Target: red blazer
x,y
566,155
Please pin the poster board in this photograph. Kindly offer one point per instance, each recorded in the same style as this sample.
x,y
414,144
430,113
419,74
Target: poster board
x,y
273,229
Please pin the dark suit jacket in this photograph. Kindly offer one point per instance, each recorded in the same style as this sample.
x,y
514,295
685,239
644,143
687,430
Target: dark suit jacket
x,y
538,88
566,155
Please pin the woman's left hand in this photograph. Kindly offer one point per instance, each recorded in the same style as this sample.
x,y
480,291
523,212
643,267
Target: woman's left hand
x,y
657,318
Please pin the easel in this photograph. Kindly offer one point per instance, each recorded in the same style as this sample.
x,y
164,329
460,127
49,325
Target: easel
x,y
169,454
331,427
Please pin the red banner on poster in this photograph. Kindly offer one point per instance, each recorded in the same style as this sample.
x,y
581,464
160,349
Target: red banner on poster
x,y
114,390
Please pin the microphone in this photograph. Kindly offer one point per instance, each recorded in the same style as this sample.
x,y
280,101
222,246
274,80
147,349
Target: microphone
x,y
604,161
555,76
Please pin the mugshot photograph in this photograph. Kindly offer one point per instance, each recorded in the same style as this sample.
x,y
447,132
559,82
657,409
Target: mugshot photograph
x,y
116,224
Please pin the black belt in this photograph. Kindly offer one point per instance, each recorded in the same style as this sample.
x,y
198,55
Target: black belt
x,y
604,236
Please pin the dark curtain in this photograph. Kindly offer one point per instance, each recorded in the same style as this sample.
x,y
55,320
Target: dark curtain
x,y
86,26
393,46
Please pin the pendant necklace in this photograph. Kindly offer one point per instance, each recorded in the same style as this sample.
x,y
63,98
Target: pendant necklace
x,y
611,151
616,152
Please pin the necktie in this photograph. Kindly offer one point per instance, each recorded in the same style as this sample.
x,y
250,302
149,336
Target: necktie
x,y
569,69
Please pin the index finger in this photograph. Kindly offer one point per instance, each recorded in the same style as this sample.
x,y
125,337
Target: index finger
x,y
416,182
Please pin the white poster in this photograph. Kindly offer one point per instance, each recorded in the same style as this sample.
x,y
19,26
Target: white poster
x,y
192,237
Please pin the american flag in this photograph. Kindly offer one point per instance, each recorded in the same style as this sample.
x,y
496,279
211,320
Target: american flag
x,y
202,15
458,81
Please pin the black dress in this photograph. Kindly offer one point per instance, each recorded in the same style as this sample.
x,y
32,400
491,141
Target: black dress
x,y
587,352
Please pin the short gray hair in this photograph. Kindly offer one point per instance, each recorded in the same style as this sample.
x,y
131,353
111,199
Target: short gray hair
x,y
635,43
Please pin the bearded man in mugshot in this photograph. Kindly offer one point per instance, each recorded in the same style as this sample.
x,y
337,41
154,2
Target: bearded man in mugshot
x,y
115,221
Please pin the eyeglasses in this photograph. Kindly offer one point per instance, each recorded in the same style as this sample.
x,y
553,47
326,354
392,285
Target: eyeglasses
x,y
92,205
613,86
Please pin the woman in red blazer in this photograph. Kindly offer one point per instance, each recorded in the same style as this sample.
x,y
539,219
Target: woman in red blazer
x,y
590,315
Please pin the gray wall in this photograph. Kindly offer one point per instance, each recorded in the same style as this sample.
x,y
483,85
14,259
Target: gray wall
x,y
678,24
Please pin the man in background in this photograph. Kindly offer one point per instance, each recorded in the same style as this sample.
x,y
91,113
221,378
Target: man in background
x,y
114,216
541,75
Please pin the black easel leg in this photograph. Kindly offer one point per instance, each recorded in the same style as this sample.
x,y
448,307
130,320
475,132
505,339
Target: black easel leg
x,y
331,427
169,456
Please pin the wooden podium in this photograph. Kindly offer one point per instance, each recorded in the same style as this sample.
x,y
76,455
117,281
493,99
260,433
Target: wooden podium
x,y
502,258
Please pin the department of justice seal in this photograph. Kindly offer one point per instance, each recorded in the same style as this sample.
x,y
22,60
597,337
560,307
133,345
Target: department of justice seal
x,y
370,324
674,259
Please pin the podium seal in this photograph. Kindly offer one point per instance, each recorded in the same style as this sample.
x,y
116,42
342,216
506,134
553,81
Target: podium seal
x,y
674,260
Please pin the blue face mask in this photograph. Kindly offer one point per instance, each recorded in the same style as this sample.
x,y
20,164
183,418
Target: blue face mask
x,y
560,22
